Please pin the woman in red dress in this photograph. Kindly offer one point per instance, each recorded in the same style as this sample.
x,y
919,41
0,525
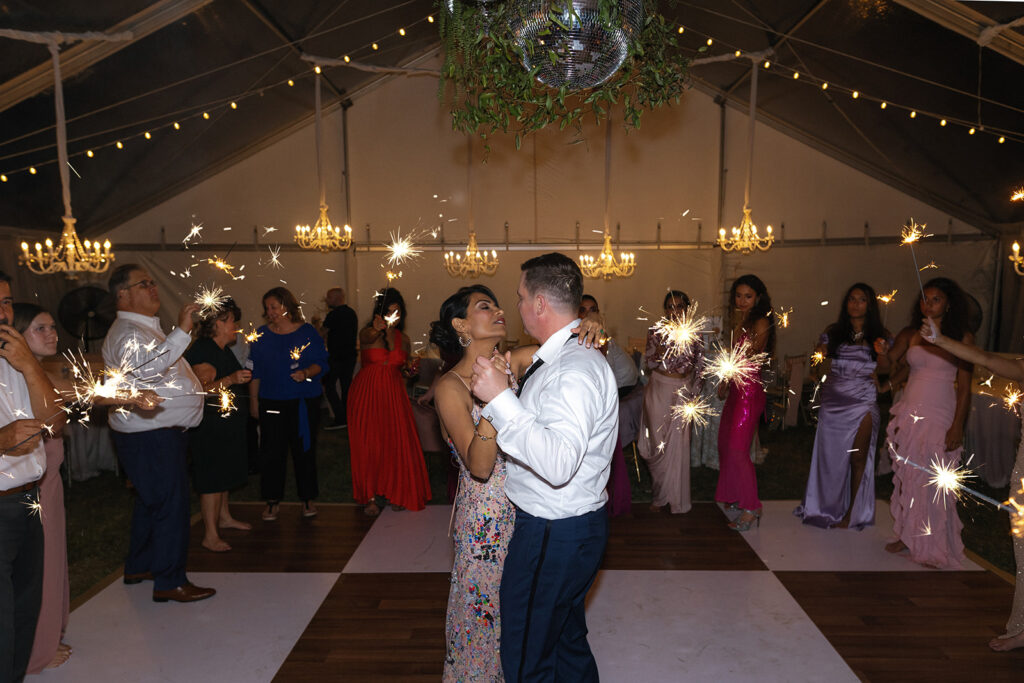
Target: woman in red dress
x,y
387,459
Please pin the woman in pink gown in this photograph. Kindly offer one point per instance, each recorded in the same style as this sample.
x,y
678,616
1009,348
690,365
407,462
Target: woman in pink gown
x,y
751,308
927,428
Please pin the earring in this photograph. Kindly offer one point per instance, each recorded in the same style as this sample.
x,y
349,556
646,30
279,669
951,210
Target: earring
x,y
465,343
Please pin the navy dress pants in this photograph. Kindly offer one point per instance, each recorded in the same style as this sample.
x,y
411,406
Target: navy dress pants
x,y
155,462
549,568
21,581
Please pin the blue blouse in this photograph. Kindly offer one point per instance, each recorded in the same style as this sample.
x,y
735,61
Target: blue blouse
x,y
273,365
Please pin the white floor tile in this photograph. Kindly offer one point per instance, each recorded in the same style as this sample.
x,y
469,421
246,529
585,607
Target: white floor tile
x,y
705,626
404,542
243,634
785,543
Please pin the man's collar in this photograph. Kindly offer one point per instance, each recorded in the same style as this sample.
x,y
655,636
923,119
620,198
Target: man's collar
x,y
555,342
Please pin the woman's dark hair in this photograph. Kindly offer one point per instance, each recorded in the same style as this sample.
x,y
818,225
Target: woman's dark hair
x,y
841,331
443,335
381,304
286,299
676,294
954,320
24,314
762,306
229,307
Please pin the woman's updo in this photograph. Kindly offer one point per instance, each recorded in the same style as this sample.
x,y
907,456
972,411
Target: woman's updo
x,y
442,334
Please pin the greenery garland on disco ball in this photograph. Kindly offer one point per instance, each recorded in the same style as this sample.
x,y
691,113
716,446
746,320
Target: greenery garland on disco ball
x,y
489,89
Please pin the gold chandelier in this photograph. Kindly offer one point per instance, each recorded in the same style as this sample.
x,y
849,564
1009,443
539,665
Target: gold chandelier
x,y
1017,259
745,238
322,236
70,257
605,266
473,263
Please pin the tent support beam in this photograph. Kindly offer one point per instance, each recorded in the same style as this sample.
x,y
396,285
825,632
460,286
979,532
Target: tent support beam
x,y
959,18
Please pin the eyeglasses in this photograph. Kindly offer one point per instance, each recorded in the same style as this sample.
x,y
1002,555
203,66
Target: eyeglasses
x,y
145,284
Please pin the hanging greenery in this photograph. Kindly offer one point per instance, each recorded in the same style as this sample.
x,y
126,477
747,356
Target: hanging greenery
x,y
489,89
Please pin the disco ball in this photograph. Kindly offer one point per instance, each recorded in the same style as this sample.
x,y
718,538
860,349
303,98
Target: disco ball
x,y
588,53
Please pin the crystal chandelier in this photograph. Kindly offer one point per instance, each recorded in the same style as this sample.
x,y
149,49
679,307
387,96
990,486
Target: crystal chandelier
x,y
473,263
70,257
1017,259
745,238
322,235
605,266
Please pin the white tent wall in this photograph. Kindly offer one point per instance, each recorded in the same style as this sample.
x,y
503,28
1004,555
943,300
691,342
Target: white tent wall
x,y
410,171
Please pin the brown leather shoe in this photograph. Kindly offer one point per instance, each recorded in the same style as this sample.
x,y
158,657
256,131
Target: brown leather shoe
x,y
186,592
132,579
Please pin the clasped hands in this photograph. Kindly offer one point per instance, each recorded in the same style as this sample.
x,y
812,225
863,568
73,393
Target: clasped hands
x,y
491,376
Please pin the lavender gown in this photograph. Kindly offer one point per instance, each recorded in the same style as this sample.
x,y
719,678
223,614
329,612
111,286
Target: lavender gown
x,y
847,395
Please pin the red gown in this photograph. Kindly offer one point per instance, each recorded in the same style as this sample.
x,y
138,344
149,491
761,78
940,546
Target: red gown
x,y
387,458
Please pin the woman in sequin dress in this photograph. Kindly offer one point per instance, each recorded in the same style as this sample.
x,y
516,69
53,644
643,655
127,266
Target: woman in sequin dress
x,y
1012,369
927,426
664,439
751,309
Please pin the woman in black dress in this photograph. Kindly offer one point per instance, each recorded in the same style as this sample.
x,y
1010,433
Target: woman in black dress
x,y
218,444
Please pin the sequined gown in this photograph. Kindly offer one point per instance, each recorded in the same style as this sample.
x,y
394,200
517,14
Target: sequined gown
x,y
484,521
1015,625
928,525
737,478
847,395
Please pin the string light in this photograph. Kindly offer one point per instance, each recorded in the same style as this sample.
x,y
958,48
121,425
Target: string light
x,y
913,114
401,31
942,122
291,83
234,105
430,19
206,115
883,105
375,46
316,69
3,178
737,53
177,126
710,42
856,94
767,64
89,154
347,59
796,75
1001,139
147,135
681,29
970,132
824,86
33,171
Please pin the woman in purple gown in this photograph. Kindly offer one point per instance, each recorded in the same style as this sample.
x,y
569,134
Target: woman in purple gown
x,y
751,310
841,483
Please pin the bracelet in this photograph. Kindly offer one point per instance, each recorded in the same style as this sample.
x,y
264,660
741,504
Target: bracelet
x,y
481,436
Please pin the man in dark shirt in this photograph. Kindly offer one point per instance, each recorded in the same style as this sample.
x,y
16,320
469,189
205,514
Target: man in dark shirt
x,y
342,327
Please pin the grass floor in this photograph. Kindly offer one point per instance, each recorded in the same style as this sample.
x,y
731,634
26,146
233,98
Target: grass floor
x,y
99,510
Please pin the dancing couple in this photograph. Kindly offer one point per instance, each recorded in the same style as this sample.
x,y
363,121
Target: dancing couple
x,y
533,431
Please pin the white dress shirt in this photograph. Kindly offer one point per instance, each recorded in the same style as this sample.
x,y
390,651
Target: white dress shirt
x,y
16,404
558,436
137,341
625,370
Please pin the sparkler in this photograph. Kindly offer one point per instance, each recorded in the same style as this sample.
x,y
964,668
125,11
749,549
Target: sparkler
x,y
222,265
782,317
401,249
1011,398
679,334
226,402
695,411
912,232
392,318
1017,195
887,299
392,275
737,364
817,357
253,334
35,507
210,301
948,479
274,261
193,233
296,353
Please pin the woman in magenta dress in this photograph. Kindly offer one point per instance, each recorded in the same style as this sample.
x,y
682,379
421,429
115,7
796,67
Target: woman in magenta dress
x,y
664,440
387,459
841,482
927,427
751,310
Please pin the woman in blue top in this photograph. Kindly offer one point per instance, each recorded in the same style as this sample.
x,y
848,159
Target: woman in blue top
x,y
288,358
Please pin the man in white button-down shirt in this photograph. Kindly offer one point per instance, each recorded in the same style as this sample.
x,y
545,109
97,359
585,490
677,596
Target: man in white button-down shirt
x,y
558,436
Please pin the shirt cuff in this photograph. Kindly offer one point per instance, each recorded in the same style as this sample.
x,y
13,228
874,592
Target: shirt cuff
x,y
179,338
502,409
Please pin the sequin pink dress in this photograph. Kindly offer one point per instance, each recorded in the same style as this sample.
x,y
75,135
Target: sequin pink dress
x,y
737,478
927,524
484,522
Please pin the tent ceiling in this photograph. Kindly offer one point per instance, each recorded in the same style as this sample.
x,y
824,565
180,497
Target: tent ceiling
x,y
246,50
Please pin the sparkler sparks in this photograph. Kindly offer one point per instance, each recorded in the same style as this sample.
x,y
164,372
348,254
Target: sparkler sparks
x,y
392,318
226,402
947,479
34,506
401,249
913,232
887,298
782,317
679,334
392,275
929,265
695,411
817,357
193,233
210,301
275,253
1017,195
737,364
221,264
253,334
1011,398
296,353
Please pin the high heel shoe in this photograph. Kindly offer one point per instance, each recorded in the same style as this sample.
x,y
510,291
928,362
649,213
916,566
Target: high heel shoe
x,y
732,507
739,524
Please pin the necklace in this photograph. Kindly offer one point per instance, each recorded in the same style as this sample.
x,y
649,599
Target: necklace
x,y
857,337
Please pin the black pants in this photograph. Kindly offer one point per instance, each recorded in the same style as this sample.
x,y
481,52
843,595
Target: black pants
x,y
338,377
279,434
21,581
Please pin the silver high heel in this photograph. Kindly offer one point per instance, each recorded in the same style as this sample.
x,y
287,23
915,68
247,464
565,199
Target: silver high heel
x,y
738,525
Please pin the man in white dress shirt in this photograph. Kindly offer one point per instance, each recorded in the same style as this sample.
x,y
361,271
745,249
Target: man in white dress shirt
x,y
153,446
558,436
26,398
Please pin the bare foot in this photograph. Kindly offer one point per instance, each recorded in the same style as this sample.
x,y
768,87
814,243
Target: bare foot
x,y
1007,642
232,523
896,546
217,545
61,656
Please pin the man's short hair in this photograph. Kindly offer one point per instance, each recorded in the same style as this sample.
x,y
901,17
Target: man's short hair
x,y
4,277
556,276
120,277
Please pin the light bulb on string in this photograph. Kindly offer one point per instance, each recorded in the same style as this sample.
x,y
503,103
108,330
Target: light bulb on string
x,y
347,59
89,154
206,115
375,46
913,114
796,75
430,19
856,94
291,83
177,126
824,86
971,131
234,105
681,29
710,42
401,31
767,64
883,105
316,69
3,178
